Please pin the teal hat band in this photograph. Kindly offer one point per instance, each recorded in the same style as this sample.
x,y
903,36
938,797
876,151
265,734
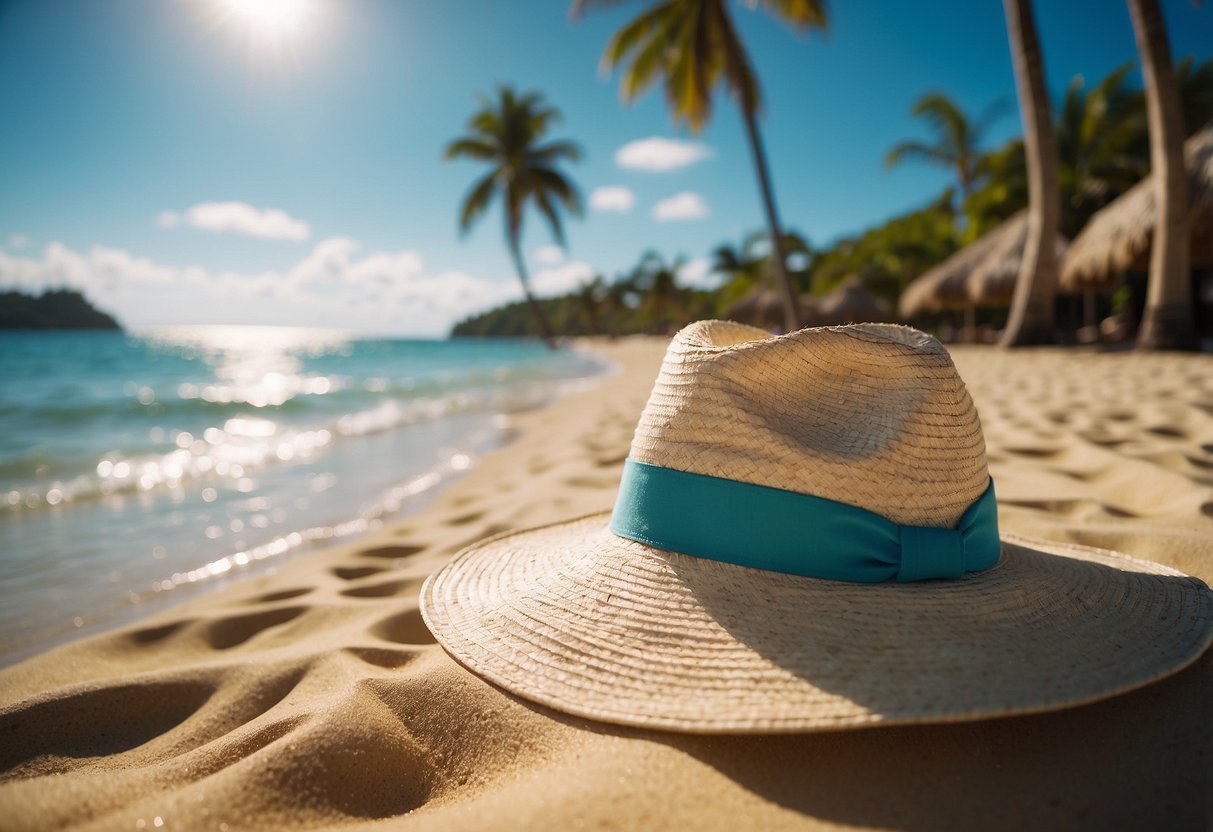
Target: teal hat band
x,y
799,534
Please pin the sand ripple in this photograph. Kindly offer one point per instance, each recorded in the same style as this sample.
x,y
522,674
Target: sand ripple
x,y
315,697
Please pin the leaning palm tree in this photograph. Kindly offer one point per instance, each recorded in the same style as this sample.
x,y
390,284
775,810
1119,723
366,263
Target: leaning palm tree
x,y
1032,312
508,134
1167,319
694,45
958,139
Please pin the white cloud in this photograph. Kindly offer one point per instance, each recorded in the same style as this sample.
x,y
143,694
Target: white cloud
x,y
548,255
238,218
683,206
561,280
698,273
658,155
612,198
334,285
18,241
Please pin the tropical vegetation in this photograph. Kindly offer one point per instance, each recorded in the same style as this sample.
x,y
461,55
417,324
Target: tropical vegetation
x,y
1074,160
508,134
53,309
694,46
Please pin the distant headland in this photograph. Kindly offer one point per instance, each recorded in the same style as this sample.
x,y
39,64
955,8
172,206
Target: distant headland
x,y
53,309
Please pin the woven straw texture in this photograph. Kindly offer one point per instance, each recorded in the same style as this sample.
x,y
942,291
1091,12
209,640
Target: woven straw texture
x,y
873,415
576,618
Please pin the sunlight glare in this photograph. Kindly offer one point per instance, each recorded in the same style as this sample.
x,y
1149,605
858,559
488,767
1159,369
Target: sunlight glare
x,y
272,19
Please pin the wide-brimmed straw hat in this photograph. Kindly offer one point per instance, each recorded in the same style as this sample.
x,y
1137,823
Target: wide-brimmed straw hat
x,y
806,539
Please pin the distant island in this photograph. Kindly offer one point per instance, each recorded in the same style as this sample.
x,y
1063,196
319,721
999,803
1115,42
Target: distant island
x,y
53,309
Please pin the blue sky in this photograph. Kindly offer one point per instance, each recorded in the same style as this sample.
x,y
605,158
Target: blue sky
x,y
123,115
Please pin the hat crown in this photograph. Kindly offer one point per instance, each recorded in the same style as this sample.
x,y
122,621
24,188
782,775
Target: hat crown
x,y
872,415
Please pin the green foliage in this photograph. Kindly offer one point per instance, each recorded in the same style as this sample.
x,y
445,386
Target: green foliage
x,y
650,299
691,46
54,309
958,139
507,133
1103,149
886,258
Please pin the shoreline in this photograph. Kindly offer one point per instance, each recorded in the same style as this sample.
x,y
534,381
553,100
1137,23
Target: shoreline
x,y
314,695
413,496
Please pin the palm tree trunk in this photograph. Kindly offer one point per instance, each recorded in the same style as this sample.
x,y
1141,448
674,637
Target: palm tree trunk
x,y
1167,320
545,329
1032,311
779,253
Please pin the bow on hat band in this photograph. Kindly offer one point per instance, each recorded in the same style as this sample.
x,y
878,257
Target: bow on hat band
x,y
799,534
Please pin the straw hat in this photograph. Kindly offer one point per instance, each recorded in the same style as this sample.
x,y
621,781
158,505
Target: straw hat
x,y
806,539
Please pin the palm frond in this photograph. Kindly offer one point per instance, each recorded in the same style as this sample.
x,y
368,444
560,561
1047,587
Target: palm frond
x,y
548,181
649,29
554,152
801,15
944,116
916,150
647,66
477,201
470,148
578,8
741,77
544,204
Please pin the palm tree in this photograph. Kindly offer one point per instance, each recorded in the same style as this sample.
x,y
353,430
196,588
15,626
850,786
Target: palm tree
x,y
693,45
1167,319
1195,82
589,295
957,142
661,309
1101,136
1032,312
743,266
508,134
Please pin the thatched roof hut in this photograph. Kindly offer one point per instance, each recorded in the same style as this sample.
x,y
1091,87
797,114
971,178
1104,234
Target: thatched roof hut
x,y
851,303
763,307
1118,237
992,281
946,285
759,307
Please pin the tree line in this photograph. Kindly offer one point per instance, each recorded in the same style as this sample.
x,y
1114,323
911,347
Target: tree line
x,y
1067,165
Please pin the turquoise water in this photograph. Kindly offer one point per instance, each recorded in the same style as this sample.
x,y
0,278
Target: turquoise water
x,y
137,470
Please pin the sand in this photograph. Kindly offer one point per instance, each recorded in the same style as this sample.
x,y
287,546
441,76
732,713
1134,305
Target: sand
x,y
316,698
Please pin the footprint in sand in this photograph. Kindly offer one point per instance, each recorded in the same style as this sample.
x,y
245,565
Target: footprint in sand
x,y
383,590
282,595
386,657
404,628
97,723
391,552
226,633
353,573
151,635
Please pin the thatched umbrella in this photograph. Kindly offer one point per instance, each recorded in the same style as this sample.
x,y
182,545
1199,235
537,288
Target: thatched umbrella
x,y
759,307
1118,237
992,281
763,307
851,303
946,285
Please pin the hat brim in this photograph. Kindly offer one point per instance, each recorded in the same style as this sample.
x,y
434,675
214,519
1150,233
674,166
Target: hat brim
x,y
576,618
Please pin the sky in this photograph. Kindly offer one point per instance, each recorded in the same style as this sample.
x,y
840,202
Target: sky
x,y
280,161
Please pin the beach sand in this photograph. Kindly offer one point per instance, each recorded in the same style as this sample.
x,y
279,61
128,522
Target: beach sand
x,y
315,697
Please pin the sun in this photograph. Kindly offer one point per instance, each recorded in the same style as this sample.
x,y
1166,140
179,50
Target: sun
x,y
274,20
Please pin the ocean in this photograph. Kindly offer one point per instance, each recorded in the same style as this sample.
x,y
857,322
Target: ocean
x,y
137,470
